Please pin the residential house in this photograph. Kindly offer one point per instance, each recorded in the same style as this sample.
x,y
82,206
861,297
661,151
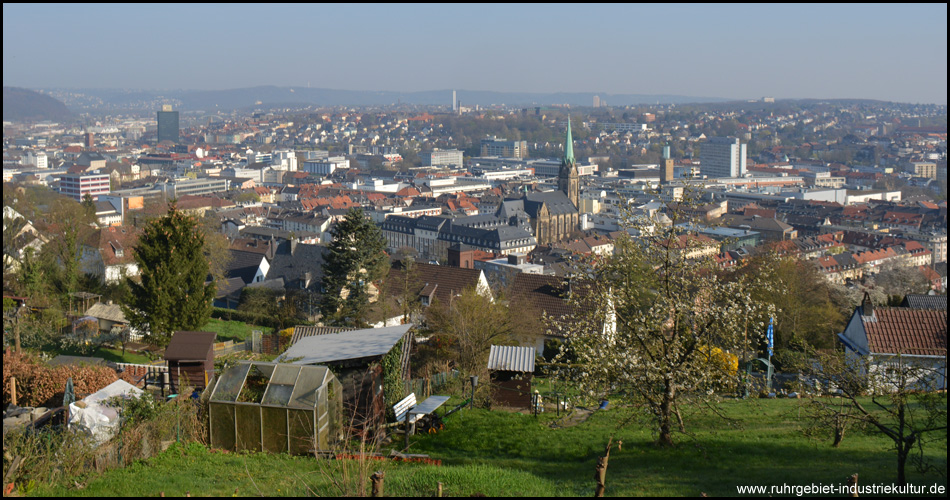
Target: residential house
x,y
884,337
108,253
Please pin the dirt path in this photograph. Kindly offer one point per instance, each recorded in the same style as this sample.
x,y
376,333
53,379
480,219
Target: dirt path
x,y
577,416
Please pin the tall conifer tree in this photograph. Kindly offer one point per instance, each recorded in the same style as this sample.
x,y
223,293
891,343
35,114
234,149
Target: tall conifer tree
x,y
173,294
356,258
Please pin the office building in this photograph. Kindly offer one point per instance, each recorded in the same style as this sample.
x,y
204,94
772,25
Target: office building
x,y
76,186
503,148
37,159
326,166
167,124
722,157
441,158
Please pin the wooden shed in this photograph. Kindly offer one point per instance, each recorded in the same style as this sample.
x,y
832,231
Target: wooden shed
x,y
356,358
190,358
511,369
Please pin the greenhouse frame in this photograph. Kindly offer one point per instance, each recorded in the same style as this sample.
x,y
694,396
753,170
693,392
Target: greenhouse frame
x,y
276,407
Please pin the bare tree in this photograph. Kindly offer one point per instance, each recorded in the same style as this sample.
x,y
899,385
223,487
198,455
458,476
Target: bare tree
x,y
895,397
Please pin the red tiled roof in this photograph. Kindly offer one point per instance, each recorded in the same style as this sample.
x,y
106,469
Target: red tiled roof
x,y
907,331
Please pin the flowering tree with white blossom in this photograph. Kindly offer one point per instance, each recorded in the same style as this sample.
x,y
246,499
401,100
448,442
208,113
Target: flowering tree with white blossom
x,y
682,322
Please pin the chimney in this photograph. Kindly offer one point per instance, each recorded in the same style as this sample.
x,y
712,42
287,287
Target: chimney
x,y
293,246
867,307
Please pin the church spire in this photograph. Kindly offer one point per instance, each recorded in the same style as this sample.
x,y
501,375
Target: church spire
x,y
568,181
569,144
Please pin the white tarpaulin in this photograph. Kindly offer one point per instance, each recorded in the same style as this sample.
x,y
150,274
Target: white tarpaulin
x,y
97,419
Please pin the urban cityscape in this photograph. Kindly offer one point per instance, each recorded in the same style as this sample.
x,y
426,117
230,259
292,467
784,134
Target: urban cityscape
x,y
389,250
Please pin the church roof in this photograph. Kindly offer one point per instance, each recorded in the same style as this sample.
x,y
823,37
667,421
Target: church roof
x,y
557,202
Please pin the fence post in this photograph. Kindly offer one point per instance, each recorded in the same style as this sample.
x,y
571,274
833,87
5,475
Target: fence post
x,y
407,429
853,485
600,472
438,490
377,479
13,390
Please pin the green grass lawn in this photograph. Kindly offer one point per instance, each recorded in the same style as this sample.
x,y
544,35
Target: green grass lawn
x,y
231,330
502,453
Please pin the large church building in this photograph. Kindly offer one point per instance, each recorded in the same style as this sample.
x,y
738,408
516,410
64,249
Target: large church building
x,y
553,215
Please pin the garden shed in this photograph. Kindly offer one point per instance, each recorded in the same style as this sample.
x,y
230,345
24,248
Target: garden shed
x,y
511,369
357,358
276,407
190,358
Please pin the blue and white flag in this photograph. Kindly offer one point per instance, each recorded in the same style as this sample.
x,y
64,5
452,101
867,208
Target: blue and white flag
x,y
768,337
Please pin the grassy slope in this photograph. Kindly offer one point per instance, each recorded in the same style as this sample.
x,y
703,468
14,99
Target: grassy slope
x,y
231,330
498,453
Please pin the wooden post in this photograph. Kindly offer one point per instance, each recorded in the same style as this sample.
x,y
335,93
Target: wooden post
x,y
407,429
600,472
13,390
377,479
853,485
16,330
438,490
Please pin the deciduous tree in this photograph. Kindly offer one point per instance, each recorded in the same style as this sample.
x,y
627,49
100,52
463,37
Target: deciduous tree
x,y
896,398
680,325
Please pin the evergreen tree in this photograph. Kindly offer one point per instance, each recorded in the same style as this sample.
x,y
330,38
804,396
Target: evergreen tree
x,y
356,258
173,294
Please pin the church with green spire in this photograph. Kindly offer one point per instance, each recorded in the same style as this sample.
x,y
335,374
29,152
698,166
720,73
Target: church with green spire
x,y
568,180
553,215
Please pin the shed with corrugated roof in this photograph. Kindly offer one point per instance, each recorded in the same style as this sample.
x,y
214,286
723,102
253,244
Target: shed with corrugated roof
x,y
511,369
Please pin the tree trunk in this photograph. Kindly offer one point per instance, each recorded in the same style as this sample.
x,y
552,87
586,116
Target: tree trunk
x,y
679,419
904,447
666,410
839,436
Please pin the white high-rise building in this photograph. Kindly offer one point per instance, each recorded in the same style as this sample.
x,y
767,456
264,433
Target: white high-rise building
x,y
37,159
722,157
455,102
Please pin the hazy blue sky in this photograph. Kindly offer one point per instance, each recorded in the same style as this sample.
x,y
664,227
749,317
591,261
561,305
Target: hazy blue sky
x,y
888,52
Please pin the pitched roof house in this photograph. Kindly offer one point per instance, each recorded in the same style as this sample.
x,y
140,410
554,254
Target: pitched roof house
x,y
879,335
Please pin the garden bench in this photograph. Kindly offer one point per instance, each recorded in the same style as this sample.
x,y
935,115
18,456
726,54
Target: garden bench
x,y
409,412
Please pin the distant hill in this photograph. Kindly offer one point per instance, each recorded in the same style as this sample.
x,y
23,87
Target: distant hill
x,y
221,100
236,98
26,105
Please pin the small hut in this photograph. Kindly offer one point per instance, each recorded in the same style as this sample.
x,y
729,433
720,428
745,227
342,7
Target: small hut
x,y
190,357
357,359
276,407
511,369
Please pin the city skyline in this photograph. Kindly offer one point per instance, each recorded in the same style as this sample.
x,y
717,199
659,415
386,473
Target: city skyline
x,y
883,52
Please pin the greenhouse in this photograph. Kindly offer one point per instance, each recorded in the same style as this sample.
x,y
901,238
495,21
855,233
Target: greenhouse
x,y
276,407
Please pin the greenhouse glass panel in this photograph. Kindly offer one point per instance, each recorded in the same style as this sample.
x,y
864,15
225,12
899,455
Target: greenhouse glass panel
x,y
274,425
229,386
222,426
248,419
301,431
305,391
281,385
255,384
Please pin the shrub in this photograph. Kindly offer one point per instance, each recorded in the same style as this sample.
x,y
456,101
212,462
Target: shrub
x,y
39,384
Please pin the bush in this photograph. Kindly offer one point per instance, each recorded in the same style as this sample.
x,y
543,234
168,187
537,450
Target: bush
x,y
39,384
